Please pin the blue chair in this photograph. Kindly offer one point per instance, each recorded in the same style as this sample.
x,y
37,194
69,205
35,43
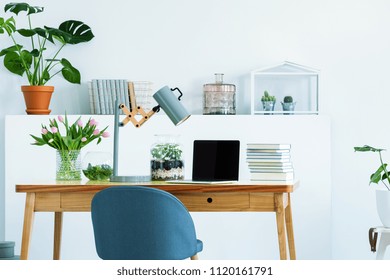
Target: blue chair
x,y
142,223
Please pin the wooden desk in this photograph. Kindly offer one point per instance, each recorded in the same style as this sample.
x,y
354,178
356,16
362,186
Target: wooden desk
x,y
59,197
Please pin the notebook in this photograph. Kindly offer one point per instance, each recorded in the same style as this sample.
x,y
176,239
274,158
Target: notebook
x,y
214,161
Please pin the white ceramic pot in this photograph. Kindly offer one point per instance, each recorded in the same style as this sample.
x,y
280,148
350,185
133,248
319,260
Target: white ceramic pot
x,y
383,206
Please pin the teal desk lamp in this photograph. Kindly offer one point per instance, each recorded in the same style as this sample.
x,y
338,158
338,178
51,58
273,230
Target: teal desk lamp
x,y
165,100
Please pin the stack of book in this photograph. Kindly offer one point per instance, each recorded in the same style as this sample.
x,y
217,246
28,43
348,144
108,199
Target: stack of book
x,y
103,92
270,163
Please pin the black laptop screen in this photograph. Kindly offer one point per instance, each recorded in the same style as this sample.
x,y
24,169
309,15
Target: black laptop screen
x,y
216,160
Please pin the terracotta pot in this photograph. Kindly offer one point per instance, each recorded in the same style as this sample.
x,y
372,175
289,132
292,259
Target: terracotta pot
x,y
37,99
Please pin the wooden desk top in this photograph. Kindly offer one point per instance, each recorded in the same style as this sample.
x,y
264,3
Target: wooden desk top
x,y
95,186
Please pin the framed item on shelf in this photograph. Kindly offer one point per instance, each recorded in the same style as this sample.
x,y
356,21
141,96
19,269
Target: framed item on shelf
x,y
291,87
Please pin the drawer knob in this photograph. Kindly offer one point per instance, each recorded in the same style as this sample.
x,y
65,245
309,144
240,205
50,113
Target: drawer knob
x,y
209,200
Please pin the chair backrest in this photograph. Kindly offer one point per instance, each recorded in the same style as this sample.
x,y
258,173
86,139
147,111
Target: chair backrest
x,y
141,223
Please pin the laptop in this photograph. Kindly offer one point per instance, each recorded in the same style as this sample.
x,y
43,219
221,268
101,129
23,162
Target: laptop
x,y
214,161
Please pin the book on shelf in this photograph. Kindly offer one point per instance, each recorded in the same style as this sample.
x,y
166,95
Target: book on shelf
x,y
96,97
104,92
269,160
270,164
267,156
268,151
250,153
273,182
272,176
270,169
91,98
269,146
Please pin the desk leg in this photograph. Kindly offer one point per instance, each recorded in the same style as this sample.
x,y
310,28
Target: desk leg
x,y
280,222
57,235
27,225
290,231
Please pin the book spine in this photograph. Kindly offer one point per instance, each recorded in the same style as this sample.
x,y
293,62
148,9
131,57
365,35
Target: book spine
x,y
91,98
110,105
113,93
96,96
125,92
269,146
102,97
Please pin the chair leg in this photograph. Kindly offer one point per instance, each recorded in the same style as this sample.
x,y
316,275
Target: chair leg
x,y
195,257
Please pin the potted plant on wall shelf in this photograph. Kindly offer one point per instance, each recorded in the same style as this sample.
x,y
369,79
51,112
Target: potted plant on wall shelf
x,y
383,175
268,102
288,104
31,62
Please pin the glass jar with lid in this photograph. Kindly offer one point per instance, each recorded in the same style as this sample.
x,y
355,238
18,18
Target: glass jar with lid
x,y
219,98
167,158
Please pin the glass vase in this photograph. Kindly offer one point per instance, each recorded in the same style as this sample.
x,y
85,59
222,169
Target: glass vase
x,y
97,166
68,165
167,158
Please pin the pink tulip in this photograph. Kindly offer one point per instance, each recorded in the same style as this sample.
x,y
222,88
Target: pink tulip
x,y
60,119
54,129
96,132
93,122
80,123
84,139
44,131
106,134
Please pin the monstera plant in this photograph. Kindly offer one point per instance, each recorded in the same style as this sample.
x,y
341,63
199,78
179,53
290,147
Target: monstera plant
x,y
30,61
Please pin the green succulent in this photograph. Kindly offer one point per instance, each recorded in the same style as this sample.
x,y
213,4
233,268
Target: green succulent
x,y
288,99
267,97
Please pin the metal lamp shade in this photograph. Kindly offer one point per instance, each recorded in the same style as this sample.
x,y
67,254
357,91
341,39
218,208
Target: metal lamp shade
x,y
171,105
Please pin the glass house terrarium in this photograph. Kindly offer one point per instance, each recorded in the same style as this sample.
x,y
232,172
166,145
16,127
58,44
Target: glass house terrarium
x,y
286,79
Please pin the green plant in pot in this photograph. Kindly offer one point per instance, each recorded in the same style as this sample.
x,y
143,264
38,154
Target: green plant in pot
x,y
268,102
382,175
288,104
167,161
31,61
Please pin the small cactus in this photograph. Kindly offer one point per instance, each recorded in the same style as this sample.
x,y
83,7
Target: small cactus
x,y
267,97
288,99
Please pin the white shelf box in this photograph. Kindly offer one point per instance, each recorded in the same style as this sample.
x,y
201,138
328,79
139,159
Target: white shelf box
x,y
285,79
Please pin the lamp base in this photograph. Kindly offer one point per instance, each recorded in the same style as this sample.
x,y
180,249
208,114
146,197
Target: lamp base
x,y
133,179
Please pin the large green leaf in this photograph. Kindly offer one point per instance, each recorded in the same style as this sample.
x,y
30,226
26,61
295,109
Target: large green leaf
x,y
14,62
57,34
377,176
367,148
45,75
35,31
70,73
78,31
11,49
8,25
18,7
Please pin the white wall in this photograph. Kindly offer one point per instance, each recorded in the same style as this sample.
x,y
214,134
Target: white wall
x,y
183,43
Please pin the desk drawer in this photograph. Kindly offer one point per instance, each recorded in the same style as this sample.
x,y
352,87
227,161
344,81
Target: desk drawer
x,y
215,201
76,201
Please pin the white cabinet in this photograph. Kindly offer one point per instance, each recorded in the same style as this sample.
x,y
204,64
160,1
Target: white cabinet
x,y
285,79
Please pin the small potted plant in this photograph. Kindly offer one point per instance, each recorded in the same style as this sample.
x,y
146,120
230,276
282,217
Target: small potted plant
x,y
383,175
288,104
31,62
268,102
167,161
